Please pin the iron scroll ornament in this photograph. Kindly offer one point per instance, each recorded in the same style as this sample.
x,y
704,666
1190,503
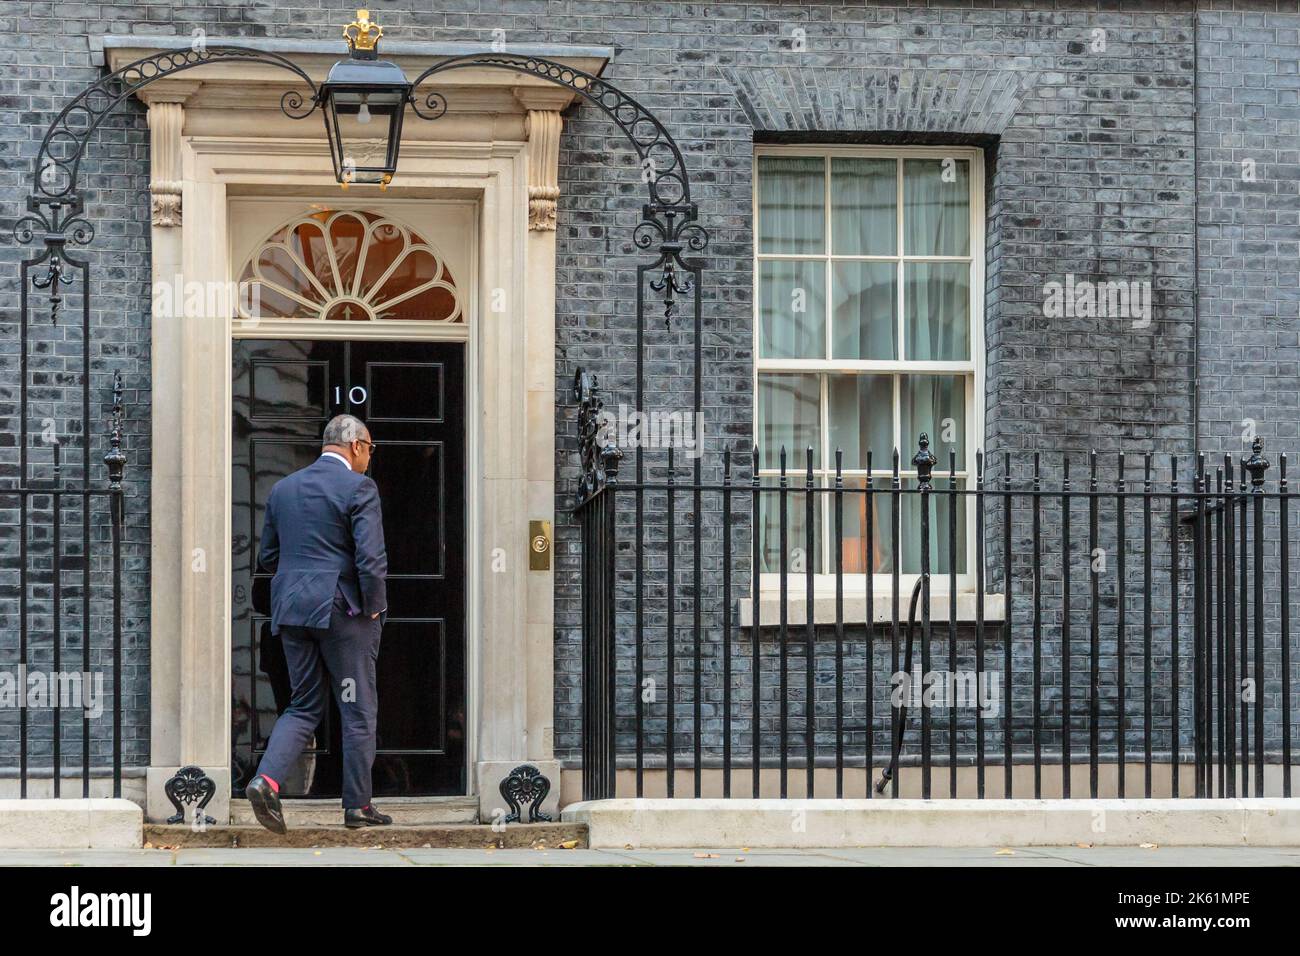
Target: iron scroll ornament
x,y
190,785
525,784
666,179
55,204
598,457
58,162
669,218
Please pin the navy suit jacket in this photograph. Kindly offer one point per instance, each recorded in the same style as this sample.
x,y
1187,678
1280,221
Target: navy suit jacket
x,y
324,533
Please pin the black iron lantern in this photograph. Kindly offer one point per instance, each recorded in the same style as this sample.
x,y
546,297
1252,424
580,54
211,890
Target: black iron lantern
x,y
363,100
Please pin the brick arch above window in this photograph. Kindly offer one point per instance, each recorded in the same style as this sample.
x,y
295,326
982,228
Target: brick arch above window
x,y
968,101
348,265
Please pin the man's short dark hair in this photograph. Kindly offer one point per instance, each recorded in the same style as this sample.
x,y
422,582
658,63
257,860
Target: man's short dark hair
x,y
343,430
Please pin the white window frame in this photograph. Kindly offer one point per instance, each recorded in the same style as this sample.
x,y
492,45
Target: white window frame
x,y
855,584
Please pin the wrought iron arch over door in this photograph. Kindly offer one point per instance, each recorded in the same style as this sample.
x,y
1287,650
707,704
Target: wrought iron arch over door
x,y
668,219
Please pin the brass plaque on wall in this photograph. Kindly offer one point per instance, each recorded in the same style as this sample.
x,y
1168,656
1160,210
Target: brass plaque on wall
x,y
539,546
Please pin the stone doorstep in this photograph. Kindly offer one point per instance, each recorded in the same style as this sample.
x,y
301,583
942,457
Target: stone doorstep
x,y
405,811
458,836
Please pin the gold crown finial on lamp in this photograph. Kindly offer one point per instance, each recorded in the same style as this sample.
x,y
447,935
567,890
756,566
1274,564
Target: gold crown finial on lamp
x,y
362,33
363,99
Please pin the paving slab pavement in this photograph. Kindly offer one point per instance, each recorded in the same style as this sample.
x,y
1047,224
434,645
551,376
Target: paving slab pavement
x,y
1072,856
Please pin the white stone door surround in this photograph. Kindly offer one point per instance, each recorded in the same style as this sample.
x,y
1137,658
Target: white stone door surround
x,y
217,136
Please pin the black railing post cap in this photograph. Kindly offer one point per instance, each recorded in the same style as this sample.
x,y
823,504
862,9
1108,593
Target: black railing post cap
x,y
1256,464
924,460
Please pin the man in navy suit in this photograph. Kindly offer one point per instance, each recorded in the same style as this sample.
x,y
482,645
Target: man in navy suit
x,y
324,539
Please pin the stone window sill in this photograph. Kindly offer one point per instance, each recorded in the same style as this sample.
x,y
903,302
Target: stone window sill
x,y
855,609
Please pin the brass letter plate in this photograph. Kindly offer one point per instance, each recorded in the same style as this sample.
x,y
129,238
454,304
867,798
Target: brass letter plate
x,y
539,546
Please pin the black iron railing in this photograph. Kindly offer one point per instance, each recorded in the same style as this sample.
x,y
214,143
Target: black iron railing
x,y
1123,635
65,623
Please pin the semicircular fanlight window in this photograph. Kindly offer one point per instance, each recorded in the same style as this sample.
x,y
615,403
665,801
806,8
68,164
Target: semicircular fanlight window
x,y
349,266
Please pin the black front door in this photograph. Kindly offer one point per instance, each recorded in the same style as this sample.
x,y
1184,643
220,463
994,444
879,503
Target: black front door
x,y
411,394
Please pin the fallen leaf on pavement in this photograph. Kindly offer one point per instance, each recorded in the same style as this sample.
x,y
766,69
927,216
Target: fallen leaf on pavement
x,y
706,856
1005,852
1149,846
567,845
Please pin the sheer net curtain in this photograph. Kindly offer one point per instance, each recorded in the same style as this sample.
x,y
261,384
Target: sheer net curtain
x,y
792,317
864,293
792,222
936,324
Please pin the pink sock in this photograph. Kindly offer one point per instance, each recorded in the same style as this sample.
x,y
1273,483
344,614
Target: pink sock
x,y
274,786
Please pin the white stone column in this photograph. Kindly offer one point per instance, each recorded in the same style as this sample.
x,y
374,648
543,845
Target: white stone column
x,y
535,680
178,736
165,122
205,496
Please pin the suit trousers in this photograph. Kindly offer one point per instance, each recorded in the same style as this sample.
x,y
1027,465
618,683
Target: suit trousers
x,y
341,659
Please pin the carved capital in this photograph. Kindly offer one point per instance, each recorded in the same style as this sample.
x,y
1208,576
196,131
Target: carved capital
x,y
165,121
543,130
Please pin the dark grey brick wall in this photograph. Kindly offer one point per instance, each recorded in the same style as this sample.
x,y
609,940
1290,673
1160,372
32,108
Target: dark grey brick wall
x,y
1091,172
1249,226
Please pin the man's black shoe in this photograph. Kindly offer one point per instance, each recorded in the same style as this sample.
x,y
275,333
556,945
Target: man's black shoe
x,y
366,816
266,804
